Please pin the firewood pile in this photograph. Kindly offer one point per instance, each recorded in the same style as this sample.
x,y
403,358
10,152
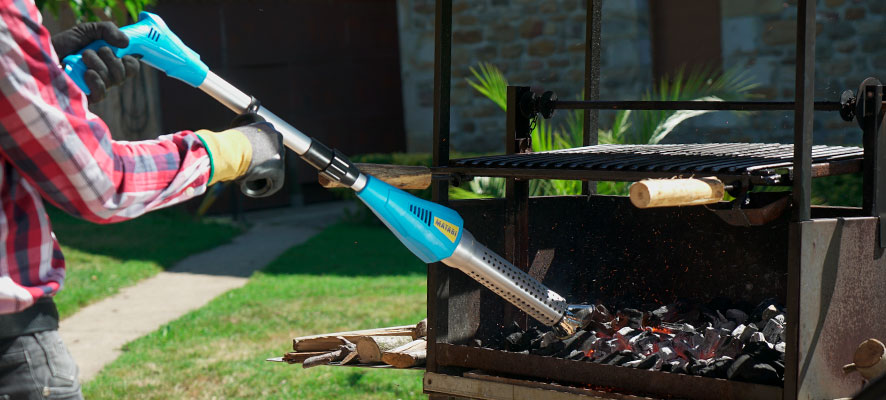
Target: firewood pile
x,y
397,346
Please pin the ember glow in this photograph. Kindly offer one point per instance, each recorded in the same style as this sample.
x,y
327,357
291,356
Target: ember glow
x,y
658,329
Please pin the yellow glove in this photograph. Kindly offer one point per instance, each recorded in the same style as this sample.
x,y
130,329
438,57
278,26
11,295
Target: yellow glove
x,y
251,154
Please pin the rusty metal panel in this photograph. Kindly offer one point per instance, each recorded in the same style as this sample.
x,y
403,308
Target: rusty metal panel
x,y
842,297
588,373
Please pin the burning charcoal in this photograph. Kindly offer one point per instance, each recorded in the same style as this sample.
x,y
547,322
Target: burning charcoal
x,y
650,362
780,318
748,332
762,352
635,318
667,353
772,331
644,342
588,343
709,345
665,313
731,347
746,368
575,341
600,329
736,315
650,320
678,366
675,328
623,335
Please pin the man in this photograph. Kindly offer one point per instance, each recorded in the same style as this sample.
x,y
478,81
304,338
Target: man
x,y
52,147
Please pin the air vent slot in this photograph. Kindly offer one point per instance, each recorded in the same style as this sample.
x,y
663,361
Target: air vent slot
x,y
154,35
421,213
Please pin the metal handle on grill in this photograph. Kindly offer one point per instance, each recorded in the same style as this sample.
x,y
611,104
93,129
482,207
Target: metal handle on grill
x,y
512,284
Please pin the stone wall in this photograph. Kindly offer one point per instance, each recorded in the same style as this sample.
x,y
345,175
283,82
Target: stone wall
x,y
541,44
534,43
758,36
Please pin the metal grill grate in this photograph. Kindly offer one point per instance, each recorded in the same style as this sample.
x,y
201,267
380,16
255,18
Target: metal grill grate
x,y
761,163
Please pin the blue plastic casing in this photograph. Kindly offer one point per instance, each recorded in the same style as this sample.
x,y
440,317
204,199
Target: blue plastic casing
x,y
158,47
429,230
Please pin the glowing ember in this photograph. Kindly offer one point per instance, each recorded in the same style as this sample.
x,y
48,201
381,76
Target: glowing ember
x,y
659,329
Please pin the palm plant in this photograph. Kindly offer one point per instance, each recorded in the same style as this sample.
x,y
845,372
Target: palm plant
x,y
652,126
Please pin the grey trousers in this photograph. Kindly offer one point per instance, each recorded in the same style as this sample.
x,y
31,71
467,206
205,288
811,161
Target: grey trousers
x,y
37,366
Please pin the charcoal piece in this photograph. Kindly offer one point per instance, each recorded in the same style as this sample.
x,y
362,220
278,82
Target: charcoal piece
x,y
716,369
650,319
619,358
588,343
632,364
762,352
779,318
779,368
779,347
635,317
757,314
576,355
575,341
740,317
747,369
679,367
678,328
601,314
665,313
736,333
758,337
769,313
709,344
748,332
731,347
643,342
649,362
600,329
549,344
667,353
475,343
772,331
515,342
535,337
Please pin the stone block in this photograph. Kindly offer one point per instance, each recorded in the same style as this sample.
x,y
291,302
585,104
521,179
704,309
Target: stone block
x,y
466,20
467,36
459,7
502,32
740,34
783,32
854,13
533,64
542,47
840,30
846,46
837,68
531,28
743,8
834,3
558,62
873,44
512,50
424,7
877,7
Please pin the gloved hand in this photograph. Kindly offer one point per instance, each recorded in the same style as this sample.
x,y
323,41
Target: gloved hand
x,y
104,68
251,155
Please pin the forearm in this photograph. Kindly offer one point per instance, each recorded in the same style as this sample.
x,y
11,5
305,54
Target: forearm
x,y
66,152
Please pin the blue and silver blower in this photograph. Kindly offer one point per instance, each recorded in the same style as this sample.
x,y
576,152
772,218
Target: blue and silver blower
x,y
431,231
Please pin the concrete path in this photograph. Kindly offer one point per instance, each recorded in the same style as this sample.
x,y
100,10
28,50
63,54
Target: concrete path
x,y
96,333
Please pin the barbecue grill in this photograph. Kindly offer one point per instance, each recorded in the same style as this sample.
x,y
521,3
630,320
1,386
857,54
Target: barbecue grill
x,y
823,263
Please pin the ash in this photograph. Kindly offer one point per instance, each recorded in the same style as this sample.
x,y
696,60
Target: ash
x,y
680,338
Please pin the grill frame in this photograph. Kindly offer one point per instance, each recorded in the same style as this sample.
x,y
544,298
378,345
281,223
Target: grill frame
x,y
806,231
761,164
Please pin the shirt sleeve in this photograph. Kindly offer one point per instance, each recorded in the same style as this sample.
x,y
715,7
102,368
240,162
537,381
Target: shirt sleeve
x,y
54,141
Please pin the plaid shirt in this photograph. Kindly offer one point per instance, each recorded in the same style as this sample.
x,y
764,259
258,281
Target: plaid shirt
x,y
52,147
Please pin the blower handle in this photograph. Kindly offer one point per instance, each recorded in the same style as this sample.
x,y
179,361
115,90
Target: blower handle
x,y
155,44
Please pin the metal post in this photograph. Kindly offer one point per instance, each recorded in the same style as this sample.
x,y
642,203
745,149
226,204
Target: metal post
x,y
804,86
803,112
592,79
874,188
517,196
438,283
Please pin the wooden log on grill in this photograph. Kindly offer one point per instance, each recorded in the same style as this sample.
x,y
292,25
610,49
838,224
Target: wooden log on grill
x,y
676,192
408,355
399,176
331,341
869,359
371,348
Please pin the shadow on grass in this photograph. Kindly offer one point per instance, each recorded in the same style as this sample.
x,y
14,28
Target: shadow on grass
x,y
164,236
349,249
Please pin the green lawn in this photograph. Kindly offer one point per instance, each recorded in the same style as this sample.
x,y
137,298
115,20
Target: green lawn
x,y
101,259
350,276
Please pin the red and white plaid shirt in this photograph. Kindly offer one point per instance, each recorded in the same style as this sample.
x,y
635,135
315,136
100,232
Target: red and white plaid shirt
x,y
52,147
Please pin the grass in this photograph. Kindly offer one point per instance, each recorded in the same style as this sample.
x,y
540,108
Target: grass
x,y
101,259
350,276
